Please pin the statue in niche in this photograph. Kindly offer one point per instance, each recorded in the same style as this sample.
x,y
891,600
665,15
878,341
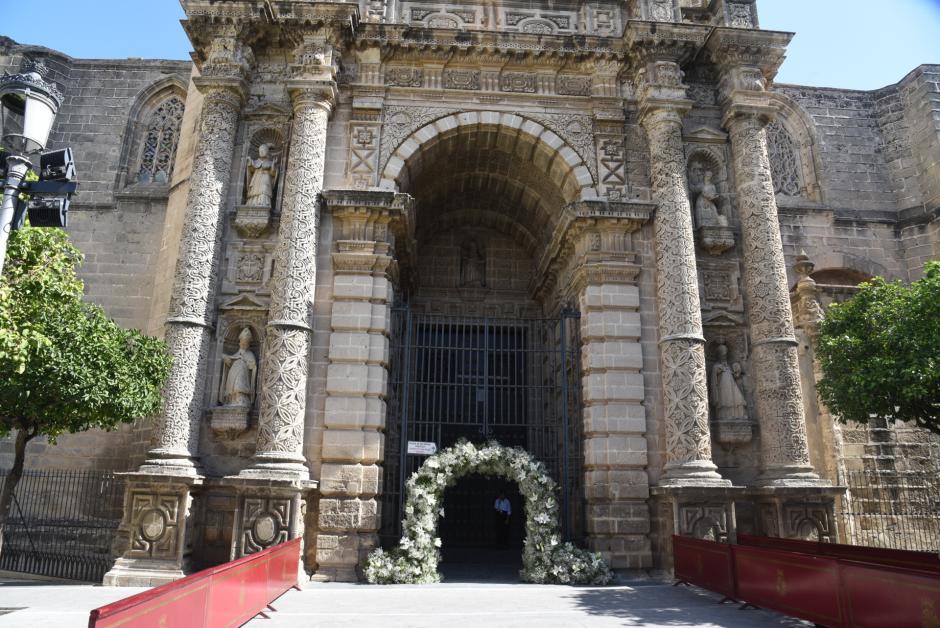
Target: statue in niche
x,y
261,175
727,398
238,374
472,265
706,203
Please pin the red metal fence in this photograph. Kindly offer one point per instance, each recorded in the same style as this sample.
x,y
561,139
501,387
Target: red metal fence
x,y
227,595
828,584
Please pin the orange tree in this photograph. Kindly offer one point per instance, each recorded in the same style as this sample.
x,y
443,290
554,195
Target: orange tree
x,y
880,352
64,365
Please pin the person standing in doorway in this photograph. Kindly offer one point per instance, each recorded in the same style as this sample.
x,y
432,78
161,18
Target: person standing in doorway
x,y
503,509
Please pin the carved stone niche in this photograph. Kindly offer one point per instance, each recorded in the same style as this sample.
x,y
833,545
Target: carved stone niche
x,y
238,367
708,187
727,389
263,166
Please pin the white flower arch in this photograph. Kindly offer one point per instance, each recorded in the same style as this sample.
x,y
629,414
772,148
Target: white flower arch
x,y
545,559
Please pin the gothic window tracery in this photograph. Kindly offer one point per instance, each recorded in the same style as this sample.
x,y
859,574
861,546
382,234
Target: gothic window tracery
x,y
159,146
784,163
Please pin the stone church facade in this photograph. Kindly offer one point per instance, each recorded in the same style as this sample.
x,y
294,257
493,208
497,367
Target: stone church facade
x,y
623,173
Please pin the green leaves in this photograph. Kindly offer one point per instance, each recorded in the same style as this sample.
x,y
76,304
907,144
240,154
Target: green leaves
x,y
64,365
880,352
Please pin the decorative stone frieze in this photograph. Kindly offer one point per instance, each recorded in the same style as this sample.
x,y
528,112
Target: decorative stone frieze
x,y
784,450
373,232
279,451
188,333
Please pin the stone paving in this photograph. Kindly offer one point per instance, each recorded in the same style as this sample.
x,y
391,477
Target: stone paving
x,y
639,603
61,604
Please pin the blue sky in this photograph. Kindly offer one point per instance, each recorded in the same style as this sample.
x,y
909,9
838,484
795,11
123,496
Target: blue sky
x,y
858,44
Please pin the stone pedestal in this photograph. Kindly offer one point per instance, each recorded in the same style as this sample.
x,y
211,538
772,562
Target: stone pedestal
x,y
805,513
251,221
152,540
699,512
368,227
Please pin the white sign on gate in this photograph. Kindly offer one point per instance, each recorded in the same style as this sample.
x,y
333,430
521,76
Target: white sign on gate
x,y
418,448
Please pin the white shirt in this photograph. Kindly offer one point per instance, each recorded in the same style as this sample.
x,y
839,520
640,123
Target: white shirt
x,y
503,505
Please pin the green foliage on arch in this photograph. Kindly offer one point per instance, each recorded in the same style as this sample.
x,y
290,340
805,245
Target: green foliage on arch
x,y
545,559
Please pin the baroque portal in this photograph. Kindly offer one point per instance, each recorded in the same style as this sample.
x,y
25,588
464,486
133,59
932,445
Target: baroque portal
x,y
567,229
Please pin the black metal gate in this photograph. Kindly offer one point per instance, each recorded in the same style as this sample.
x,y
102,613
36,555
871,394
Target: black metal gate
x,y
62,524
515,381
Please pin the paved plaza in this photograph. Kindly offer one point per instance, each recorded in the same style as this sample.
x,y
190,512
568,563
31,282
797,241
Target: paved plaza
x,y
42,604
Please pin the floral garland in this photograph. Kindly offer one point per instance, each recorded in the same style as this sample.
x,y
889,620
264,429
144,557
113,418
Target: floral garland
x,y
545,559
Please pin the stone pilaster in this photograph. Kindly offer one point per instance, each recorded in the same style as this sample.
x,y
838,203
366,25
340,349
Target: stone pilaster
x,y
368,227
745,64
681,342
189,326
279,450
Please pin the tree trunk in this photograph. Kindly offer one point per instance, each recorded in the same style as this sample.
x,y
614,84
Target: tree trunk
x,y
13,478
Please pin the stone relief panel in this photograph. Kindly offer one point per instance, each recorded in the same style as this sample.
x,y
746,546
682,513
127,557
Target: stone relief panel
x,y
265,522
363,154
704,521
402,121
784,160
577,130
404,77
573,85
462,79
155,520
612,162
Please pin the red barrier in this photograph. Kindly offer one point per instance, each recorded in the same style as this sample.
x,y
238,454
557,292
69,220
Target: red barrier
x,y
877,596
800,585
876,555
705,564
831,587
227,595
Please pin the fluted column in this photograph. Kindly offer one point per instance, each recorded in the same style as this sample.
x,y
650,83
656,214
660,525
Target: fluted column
x,y
681,343
784,451
279,450
188,332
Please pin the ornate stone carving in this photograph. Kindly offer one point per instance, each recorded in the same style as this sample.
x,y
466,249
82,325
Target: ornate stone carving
x,y
661,11
404,77
238,374
176,431
260,175
159,150
523,82
363,151
284,373
265,522
472,265
785,453
573,85
612,158
156,518
249,268
462,79
685,393
577,130
402,121
784,164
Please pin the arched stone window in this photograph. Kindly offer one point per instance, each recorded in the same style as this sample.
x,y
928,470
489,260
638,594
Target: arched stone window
x,y
159,144
784,161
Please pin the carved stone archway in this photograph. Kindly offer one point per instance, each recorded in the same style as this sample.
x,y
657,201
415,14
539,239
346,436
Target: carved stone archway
x,y
545,558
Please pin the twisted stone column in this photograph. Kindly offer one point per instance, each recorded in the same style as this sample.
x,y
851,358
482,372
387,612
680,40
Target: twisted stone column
x,y
681,344
279,450
188,334
784,450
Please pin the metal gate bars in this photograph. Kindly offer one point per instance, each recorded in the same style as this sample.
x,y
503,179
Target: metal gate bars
x,y
62,524
514,381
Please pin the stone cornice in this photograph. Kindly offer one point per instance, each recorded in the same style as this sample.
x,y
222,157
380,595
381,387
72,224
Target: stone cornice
x,y
579,217
735,47
359,211
659,41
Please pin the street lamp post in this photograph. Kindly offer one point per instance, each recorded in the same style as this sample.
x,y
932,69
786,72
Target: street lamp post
x,y
28,105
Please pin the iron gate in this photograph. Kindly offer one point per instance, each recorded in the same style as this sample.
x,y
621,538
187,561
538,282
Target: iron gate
x,y
63,523
515,381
